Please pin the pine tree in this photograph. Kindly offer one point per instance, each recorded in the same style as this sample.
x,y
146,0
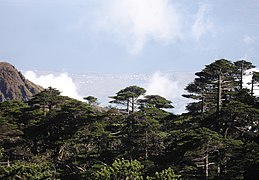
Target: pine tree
x,y
213,84
129,97
241,67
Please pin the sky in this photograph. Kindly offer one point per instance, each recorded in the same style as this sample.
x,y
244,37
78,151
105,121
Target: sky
x,y
127,36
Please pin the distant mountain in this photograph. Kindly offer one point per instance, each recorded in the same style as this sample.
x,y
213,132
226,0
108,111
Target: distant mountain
x,y
14,86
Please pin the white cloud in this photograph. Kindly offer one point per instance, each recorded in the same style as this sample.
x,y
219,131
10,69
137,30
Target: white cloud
x,y
162,84
202,23
135,22
62,82
248,80
168,85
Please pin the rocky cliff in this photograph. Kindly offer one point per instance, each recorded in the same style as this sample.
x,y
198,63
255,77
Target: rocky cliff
x,y
14,86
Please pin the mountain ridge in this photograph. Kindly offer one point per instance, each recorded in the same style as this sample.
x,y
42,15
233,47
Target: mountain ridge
x,y
14,86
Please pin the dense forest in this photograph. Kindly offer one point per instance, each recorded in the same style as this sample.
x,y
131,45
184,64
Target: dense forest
x,y
55,137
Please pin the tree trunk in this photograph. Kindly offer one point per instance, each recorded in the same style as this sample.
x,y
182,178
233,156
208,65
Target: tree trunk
x,y
218,170
252,88
207,164
132,105
241,77
146,148
218,165
44,110
202,104
219,100
226,132
128,106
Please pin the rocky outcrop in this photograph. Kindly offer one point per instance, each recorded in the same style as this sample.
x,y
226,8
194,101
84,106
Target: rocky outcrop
x,y
14,86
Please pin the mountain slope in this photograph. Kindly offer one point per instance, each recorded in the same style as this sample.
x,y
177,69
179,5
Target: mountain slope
x,y
14,86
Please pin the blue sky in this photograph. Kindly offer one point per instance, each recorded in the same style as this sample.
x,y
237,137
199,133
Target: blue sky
x,y
127,36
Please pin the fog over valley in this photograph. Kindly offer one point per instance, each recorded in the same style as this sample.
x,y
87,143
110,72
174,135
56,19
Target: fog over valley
x,y
169,85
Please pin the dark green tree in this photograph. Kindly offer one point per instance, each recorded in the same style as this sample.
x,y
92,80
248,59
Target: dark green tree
x,y
241,67
155,101
121,169
213,84
27,170
11,131
254,82
91,100
129,97
46,100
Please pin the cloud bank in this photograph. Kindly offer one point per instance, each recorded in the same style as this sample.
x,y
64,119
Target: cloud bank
x,y
164,85
169,85
248,80
135,22
61,81
202,23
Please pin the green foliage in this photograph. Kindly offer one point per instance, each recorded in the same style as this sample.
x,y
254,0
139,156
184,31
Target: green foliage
x,y
166,174
125,169
219,80
241,67
46,100
27,170
11,139
91,100
121,169
238,120
155,101
251,150
1,153
129,97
